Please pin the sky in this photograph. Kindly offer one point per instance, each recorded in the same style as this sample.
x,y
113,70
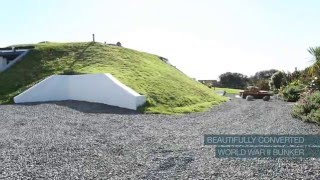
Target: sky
x,y
203,38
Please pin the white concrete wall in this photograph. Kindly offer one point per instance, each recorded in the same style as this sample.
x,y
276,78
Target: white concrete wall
x,y
19,58
100,88
53,88
3,63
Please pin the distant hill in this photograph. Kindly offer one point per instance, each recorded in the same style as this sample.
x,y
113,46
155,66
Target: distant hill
x,y
168,90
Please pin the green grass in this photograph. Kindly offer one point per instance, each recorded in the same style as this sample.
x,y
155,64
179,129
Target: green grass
x,y
168,90
228,90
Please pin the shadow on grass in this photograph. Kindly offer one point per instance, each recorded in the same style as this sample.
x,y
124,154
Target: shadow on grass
x,y
80,55
86,107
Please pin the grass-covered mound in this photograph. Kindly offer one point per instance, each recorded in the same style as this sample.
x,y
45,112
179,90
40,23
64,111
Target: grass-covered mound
x,y
168,90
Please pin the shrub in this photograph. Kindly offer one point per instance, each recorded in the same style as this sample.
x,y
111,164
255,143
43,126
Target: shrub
x,y
263,84
308,107
276,91
233,80
70,72
291,92
277,80
314,83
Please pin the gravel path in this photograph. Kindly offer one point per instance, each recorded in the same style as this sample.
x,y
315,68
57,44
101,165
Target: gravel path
x,y
78,140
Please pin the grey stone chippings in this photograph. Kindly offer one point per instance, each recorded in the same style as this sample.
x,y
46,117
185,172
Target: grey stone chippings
x,y
78,140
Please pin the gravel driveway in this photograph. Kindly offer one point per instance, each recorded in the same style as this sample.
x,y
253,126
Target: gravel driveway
x,y
78,140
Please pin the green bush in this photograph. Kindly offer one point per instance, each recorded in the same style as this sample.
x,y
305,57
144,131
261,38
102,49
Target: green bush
x,y
263,84
291,92
308,107
277,80
314,83
70,72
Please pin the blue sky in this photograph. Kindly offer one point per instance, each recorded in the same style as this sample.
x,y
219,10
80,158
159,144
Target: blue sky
x,y
203,38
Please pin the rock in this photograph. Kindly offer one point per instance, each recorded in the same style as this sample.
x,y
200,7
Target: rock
x,y
266,98
119,44
249,98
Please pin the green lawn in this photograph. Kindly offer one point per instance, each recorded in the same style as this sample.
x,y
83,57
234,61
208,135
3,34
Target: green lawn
x,y
168,90
228,90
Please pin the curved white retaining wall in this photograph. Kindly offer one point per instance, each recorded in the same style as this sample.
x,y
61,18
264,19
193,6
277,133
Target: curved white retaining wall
x,y
99,88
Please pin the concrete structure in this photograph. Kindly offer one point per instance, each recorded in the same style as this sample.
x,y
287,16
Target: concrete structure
x,y
3,63
211,83
99,88
9,58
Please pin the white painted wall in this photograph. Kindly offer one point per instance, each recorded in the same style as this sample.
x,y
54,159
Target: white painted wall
x,y
5,66
3,63
100,88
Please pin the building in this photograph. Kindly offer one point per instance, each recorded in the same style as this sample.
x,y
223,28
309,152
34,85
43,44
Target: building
x,y
210,83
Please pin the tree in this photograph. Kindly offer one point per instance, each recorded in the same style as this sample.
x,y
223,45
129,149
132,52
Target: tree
x,y
295,75
233,80
266,74
262,75
261,79
277,80
314,70
263,84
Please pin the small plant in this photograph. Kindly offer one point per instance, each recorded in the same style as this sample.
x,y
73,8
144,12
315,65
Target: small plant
x,y
291,92
308,107
276,91
69,72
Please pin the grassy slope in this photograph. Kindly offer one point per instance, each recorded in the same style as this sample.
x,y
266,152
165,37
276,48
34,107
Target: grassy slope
x,y
228,90
168,90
